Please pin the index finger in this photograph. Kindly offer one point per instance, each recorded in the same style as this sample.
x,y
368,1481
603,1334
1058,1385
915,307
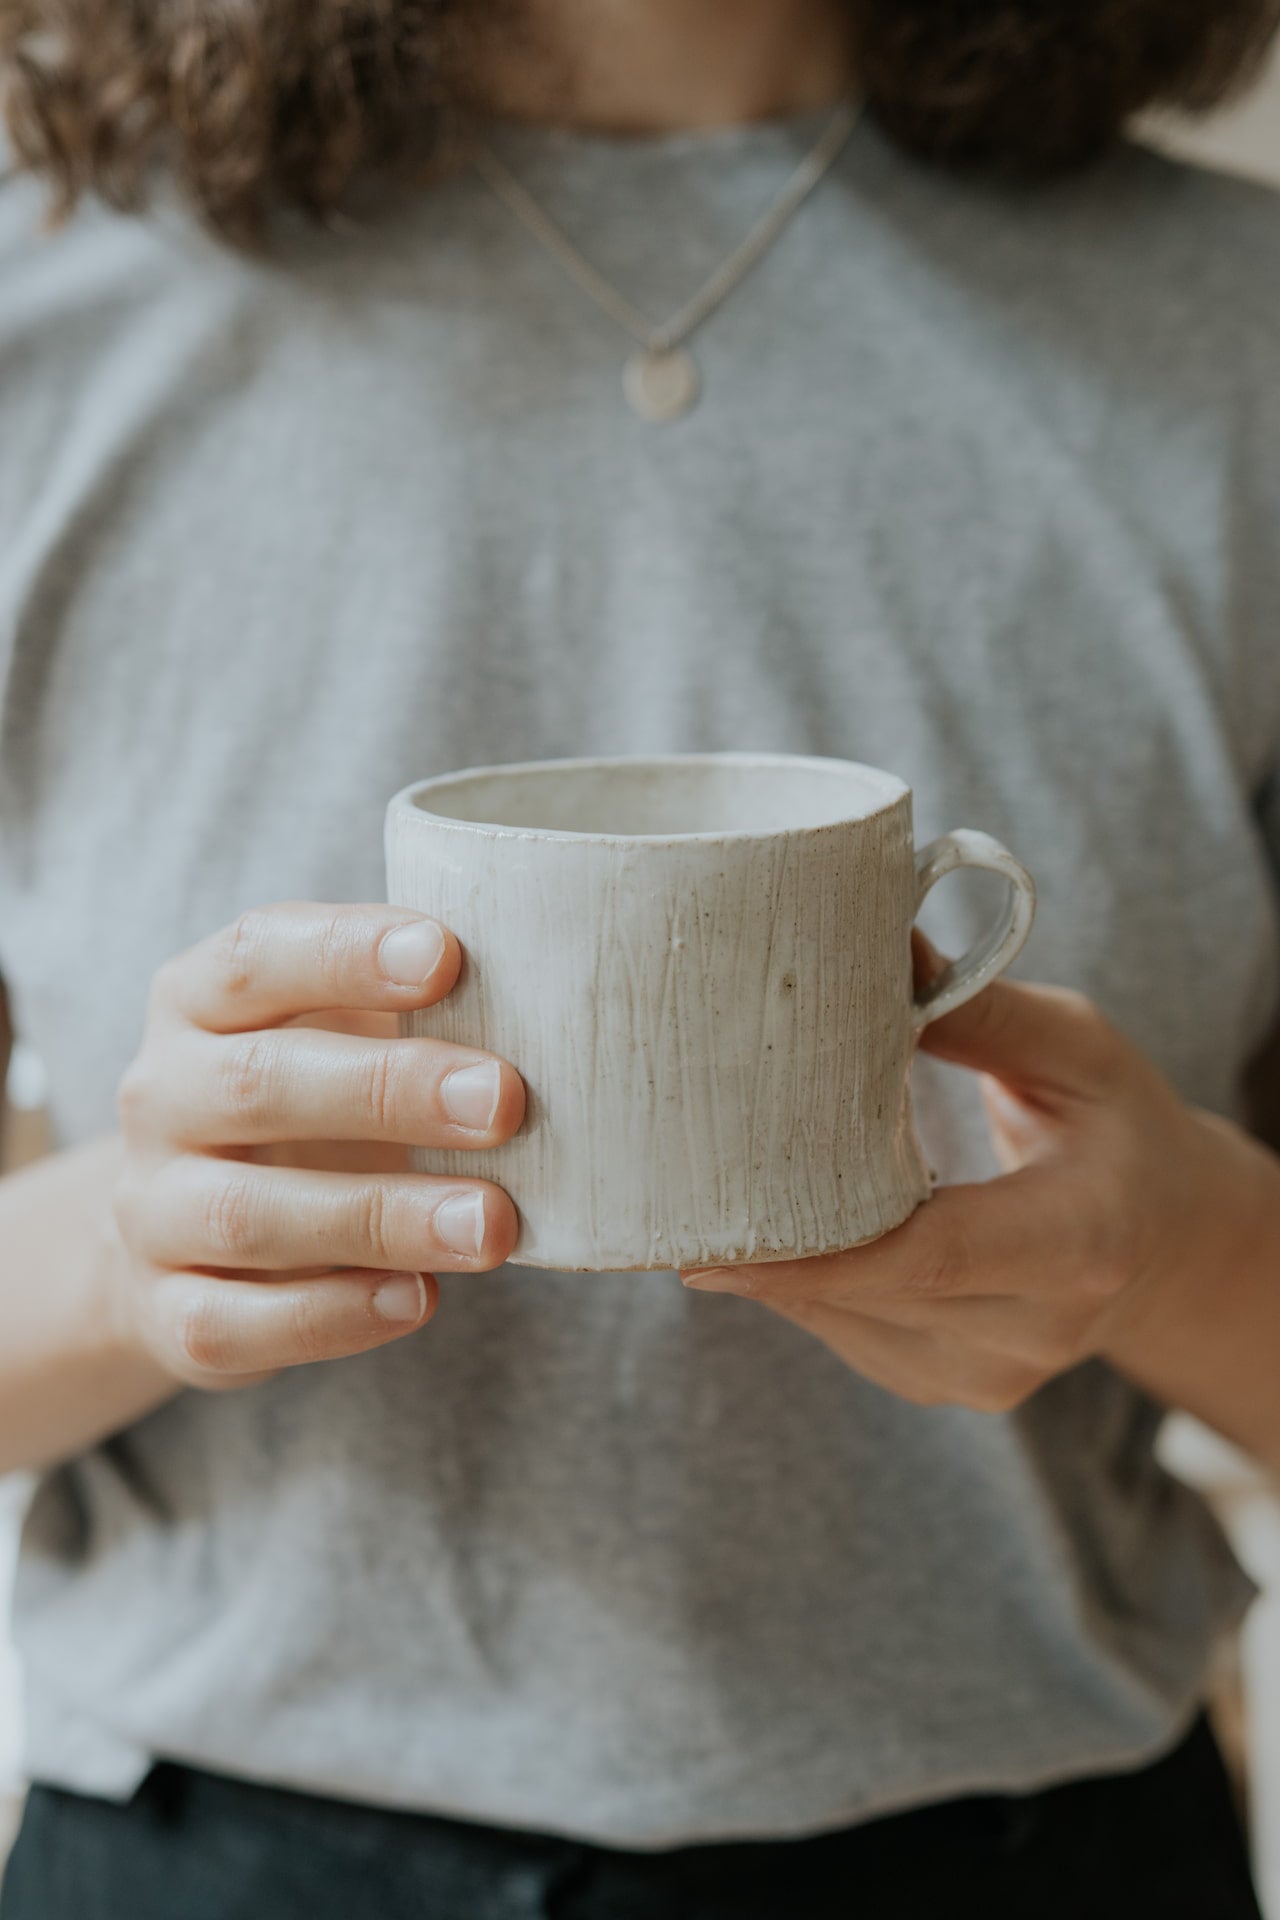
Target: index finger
x,y
307,956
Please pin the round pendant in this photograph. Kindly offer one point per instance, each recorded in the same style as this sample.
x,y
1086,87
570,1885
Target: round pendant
x,y
661,386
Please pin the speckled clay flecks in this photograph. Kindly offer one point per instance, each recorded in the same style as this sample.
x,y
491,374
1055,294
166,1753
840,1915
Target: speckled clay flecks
x,y
715,1030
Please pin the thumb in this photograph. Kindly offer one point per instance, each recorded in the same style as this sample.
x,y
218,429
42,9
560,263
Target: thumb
x,y
1046,1043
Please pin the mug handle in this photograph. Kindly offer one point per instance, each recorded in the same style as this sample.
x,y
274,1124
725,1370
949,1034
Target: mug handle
x,y
973,971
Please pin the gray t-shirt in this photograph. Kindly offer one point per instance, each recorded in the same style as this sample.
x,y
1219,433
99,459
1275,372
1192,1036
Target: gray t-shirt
x,y
983,488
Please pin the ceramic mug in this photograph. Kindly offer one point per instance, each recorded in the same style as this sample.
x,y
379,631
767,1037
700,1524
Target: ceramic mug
x,y
701,965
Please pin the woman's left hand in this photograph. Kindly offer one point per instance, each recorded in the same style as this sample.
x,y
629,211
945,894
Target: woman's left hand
x,y
1119,1203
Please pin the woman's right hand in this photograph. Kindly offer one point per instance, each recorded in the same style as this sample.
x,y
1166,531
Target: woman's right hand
x,y
233,1265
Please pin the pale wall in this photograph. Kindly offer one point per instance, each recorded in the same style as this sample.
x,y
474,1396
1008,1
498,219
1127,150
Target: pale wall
x,y
1247,139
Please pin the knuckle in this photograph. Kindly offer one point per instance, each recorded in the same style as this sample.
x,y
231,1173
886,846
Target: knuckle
x,y
1103,1276
237,951
309,1334
246,1081
381,1093
1101,1045
372,1223
1082,1008
135,1095
166,980
204,1334
1101,1036
334,949
231,1220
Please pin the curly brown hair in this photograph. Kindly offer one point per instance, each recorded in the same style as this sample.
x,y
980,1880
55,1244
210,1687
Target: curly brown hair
x,y
259,102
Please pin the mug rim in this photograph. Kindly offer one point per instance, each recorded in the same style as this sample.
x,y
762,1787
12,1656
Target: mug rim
x,y
405,803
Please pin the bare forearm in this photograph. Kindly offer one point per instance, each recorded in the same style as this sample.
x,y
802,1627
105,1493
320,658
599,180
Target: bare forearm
x,y
1210,1344
69,1372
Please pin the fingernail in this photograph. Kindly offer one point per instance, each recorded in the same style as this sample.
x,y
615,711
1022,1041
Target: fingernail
x,y
407,955
402,1297
471,1094
716,1280
459,1222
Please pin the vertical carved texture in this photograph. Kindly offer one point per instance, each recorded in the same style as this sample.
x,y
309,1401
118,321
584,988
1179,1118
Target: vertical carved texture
x,y
715,1034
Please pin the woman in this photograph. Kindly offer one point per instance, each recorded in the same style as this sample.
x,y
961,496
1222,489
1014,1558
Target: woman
x,y
617,1596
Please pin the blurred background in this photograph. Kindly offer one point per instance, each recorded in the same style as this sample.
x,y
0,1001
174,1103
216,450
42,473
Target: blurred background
x,y
1247,1684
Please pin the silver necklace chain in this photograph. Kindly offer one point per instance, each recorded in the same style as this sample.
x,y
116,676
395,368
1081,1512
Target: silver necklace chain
x,y
662,382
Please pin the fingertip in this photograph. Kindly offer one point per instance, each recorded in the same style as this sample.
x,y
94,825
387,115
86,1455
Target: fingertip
x,y
485,1100
444,978
512,1104
501,1225
401,1300
421,959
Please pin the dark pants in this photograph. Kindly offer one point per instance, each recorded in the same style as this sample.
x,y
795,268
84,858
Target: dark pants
x,y
1160,1844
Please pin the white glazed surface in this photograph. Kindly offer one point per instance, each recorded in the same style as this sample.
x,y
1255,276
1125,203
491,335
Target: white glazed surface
x,y
715,1028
